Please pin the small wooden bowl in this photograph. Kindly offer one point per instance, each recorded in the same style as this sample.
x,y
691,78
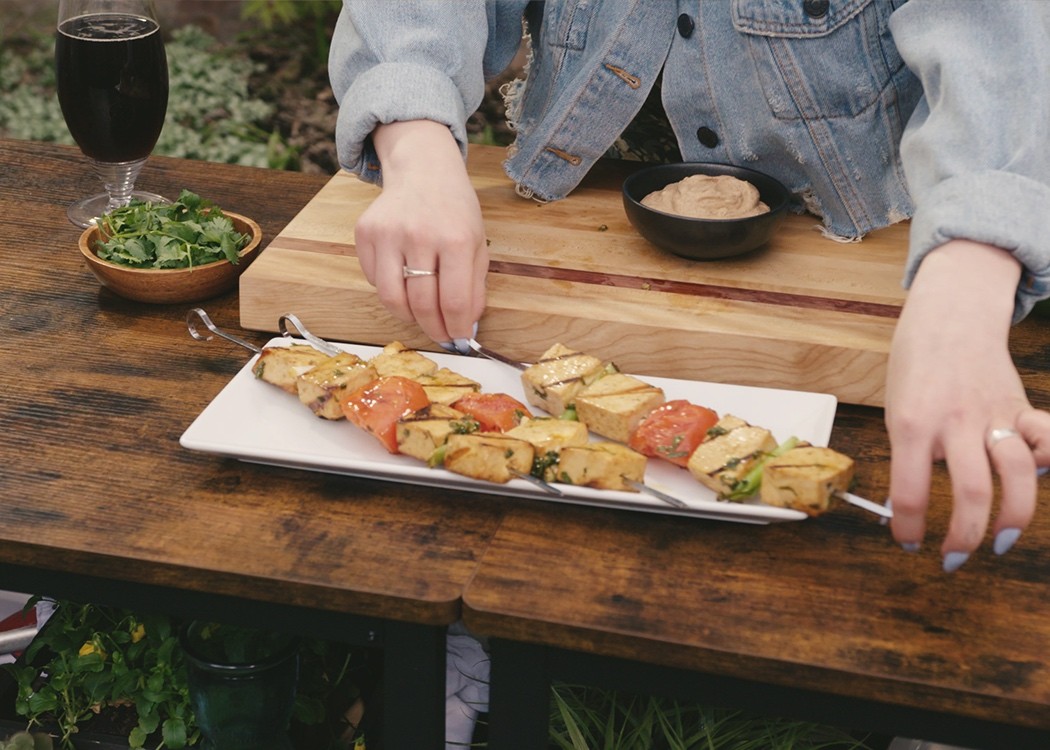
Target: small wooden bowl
x,y
172,285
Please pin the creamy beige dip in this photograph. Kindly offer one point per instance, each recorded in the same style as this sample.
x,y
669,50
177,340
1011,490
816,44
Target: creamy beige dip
x,y
702,196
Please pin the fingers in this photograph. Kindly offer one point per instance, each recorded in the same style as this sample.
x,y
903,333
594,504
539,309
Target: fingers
x,y
910,473
972,457
1034,426
972,489
1015,464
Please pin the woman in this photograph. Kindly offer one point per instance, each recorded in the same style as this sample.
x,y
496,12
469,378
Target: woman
x,y
871,111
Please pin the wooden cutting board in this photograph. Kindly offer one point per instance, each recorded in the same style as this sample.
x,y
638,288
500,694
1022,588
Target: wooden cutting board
x,y
805,312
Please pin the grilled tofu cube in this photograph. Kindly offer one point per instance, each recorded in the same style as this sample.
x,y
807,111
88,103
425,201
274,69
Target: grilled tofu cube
x,y
805,478
489,456
600,465
613,405
446,387
547,433
549,436
282,365
426,430
397,359
553,382
323,387
728,453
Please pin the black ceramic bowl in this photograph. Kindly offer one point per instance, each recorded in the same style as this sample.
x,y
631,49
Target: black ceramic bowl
x,y
703,239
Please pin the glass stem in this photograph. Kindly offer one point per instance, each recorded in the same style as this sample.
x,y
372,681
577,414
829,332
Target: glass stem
x,y
118,179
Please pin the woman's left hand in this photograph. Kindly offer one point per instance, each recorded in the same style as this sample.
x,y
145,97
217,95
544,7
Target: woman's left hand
x,y
953,394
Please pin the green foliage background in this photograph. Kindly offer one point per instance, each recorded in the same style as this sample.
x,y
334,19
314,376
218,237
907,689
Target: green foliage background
x,y
212,115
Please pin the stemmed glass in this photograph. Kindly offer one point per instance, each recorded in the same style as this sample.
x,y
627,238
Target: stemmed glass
x,y
112,76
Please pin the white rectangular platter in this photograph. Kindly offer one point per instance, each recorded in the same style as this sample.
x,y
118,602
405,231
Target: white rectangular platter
x,y
256,422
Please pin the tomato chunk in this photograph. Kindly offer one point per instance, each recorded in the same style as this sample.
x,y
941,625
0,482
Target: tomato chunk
x,y
672,431
378,406
494,412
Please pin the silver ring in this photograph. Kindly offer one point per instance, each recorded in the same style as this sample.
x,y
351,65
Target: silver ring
x,y
410,273
998,434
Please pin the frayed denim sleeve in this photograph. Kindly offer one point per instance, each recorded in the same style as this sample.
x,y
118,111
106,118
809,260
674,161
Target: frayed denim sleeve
x,y
975,150
413,60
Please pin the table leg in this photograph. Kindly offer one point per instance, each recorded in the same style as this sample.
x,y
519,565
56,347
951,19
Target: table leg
x,y
413,685
519,696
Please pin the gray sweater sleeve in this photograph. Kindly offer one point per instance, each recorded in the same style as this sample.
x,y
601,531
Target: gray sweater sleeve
x,y
975,150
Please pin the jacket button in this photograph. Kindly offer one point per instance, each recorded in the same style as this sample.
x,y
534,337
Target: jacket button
x,y
707,137
686,25
816,8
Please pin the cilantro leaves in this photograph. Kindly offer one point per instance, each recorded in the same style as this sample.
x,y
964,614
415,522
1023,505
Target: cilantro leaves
x,y
190,232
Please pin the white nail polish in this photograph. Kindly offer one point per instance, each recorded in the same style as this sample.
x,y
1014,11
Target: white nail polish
x,y
462,346
954,560
1005,539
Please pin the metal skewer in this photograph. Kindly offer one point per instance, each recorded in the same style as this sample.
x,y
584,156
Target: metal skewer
x,y
868,505
316,342
484,351
191,323
547,487
642,487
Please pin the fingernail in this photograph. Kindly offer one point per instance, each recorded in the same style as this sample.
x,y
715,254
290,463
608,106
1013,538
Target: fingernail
x,y
954,560
1005,539
910,547
1041,470
448,346
462,345
475,334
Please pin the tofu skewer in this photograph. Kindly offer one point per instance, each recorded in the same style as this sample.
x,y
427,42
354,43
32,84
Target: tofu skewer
x,y
800,476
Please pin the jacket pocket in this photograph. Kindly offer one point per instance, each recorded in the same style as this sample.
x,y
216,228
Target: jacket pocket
x,y
820,59
565,24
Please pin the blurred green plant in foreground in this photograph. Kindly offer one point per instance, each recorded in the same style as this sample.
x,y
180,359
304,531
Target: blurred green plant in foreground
x,y
588,718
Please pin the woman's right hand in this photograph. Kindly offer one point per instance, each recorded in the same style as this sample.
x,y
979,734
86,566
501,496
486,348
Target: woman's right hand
x,y
427,218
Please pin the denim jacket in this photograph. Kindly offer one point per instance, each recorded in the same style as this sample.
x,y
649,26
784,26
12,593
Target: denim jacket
x,y
870,111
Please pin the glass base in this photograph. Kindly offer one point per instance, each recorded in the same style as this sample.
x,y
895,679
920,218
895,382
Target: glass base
x,y
85,212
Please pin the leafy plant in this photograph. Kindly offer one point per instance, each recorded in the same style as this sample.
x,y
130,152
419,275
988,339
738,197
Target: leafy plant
x,y
191,231
91,661
232,644
587,718
27,741
279,13
212,114
88,658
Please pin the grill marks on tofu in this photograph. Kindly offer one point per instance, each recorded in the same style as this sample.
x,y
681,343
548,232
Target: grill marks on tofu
x,y
600,465
489,456
282,365
615,404
418,418
806,478
425,431
728,453
397,359
552,383
446,387
324,386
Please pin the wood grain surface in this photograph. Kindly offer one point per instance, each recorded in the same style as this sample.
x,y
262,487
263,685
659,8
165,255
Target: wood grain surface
x,y
829,604
805,312
97,391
